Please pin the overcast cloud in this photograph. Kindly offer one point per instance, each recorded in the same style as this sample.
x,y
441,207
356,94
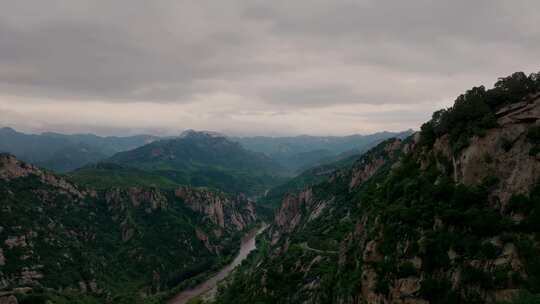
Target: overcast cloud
x,y
252,67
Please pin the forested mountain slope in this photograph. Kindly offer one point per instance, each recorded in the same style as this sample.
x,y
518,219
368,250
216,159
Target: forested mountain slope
x,y
70,244
449,215
205,159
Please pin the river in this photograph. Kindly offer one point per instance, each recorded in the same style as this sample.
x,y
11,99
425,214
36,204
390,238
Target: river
x,y
208,288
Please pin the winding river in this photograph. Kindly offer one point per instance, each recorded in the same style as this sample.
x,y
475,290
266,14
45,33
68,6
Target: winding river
x,y
208,288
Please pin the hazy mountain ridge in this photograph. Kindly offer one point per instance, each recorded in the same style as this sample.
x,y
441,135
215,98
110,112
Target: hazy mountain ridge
x,y
63,153
304,151
60,152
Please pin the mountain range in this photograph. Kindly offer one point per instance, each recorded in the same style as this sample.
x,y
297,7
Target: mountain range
x,y
62,153
301,152
198,158
204,159
449,214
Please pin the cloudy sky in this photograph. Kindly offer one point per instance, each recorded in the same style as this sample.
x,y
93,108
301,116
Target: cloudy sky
x,y
252,67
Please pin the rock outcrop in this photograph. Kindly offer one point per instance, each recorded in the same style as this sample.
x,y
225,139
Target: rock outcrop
x,y
149,199
368,165
11,168
226,212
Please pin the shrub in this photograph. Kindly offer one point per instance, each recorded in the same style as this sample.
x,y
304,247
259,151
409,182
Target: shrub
x,y
527,298
471,275
438,291
500,276
533,134
489,251
506,144
382,286
435,252
406,269
534,150
485,223
519,203
529,252
473,112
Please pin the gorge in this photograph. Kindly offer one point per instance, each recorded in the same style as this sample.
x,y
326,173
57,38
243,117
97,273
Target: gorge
x,y
448,214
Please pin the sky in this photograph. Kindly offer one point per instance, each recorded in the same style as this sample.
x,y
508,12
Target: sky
x,y
253,67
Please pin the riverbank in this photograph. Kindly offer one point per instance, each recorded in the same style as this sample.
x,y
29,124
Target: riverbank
x,y
208,288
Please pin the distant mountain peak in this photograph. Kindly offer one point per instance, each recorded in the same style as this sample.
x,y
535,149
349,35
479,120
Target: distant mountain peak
x,y
7,130
202,133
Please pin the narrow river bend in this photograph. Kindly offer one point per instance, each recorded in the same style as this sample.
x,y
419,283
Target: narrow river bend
x,y
209,287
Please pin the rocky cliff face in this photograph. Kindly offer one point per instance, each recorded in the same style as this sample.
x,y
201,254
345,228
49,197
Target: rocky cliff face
x,y
55,234
413,223
501,158
304,207
11,168
228,213
502,152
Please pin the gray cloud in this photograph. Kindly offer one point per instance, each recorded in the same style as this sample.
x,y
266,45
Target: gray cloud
x,y
263,57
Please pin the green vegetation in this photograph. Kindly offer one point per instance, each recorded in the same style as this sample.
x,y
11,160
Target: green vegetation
x,y
533,135
526,298
439,291
310,177
199,159
45,297
407,202
410,221
104,175
123,243
474,111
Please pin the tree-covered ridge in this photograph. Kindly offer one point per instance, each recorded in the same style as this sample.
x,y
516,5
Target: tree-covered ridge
x,y
476,110
194,150
72,244
107,175
447,216
202,159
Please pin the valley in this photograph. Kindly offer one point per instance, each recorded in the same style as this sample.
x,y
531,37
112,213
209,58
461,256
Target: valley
x,y
208,288
162,219
269,152
448,214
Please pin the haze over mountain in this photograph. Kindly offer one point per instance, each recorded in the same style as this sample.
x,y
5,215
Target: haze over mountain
x,y
62,152
192,149
305,151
